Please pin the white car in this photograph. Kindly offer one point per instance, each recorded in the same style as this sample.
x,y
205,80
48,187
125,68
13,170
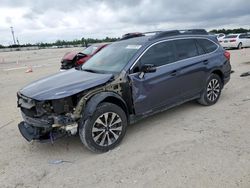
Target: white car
x,y
220,35
235,41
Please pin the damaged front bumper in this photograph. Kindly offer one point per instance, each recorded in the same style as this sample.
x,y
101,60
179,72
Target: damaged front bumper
x,y
43,124
30,133
44,130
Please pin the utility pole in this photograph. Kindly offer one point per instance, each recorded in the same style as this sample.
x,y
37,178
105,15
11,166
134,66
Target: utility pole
x,y
13,35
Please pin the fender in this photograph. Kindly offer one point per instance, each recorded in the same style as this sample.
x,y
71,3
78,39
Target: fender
x,y
93,102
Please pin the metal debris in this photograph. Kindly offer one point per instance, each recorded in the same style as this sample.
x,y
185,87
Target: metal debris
x,y
245,74
59,161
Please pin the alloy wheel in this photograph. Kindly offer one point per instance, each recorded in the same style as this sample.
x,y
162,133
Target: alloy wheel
x,y
107,129
213,90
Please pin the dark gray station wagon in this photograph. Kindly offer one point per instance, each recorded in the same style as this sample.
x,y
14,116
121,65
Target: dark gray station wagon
x,y
133,78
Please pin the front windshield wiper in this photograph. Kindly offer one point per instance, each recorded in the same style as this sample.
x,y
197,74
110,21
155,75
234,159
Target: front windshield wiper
x,y
90,70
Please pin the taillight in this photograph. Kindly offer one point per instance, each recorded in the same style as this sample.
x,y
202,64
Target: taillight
x,y
232,40
227,55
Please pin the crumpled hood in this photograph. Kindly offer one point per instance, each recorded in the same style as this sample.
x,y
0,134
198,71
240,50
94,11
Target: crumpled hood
x,y
63,84
70,55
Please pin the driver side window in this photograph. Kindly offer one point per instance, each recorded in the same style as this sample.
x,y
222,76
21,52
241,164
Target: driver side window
x,y
157,55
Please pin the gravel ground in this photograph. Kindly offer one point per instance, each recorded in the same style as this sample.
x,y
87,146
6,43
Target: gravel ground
x,y
187,146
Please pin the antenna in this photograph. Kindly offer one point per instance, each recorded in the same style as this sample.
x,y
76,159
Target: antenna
x,y
13,35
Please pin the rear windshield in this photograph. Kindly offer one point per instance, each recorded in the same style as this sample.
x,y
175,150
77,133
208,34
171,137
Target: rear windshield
x,y
230,36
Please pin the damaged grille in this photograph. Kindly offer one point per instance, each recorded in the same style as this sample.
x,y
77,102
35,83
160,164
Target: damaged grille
x,y
24,102
33,108
29,106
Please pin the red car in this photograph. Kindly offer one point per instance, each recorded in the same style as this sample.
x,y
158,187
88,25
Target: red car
x,y
75,59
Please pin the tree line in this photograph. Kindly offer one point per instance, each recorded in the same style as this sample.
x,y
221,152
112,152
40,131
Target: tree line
x,y
82,42
228,31
85,42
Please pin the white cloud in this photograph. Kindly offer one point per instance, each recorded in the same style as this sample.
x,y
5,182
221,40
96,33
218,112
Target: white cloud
x,y
49,20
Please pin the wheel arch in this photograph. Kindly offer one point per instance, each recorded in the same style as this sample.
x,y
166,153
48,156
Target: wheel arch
x,y
219,73
98,98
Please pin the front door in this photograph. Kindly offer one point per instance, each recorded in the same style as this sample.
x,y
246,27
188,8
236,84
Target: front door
x,y
153,90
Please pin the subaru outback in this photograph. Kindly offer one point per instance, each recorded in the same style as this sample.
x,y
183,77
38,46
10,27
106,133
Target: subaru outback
x,y
128,80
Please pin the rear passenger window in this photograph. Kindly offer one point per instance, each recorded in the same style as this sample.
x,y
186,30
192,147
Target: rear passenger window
x,y
207,45
159,54
243,36
185,48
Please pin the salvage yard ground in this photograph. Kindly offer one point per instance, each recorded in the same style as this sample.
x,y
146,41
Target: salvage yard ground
x,y
187,146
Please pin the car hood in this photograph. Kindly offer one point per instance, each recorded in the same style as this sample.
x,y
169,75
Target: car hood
x,y
63,84
70,56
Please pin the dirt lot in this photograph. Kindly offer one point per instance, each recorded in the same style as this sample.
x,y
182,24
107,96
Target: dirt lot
x,y
188,146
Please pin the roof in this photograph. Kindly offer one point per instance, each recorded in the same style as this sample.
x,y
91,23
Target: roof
x,y
141,38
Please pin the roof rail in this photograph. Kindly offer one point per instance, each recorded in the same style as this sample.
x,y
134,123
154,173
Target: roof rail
x,y
131,35
180,32
161,34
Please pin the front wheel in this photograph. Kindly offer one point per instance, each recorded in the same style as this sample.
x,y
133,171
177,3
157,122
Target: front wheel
x,y
105,129
211,92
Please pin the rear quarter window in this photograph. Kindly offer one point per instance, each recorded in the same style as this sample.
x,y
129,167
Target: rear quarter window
x,y
207,45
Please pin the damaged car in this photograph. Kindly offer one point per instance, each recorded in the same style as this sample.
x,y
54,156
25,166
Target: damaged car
x,y
126,81
76,59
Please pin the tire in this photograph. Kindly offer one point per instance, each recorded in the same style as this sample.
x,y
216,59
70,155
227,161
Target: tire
x,y
239,46
105,129
212,91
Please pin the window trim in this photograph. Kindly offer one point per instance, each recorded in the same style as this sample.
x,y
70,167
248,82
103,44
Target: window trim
x,y
136,61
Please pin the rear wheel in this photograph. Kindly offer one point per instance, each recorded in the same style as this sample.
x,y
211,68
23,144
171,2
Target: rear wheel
x,y
105,129
212,91
239,46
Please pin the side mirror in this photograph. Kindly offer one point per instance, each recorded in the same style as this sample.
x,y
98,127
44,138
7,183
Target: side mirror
x,y
147,68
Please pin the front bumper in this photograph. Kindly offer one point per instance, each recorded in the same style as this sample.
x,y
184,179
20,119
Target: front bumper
x,y
46,129
28,132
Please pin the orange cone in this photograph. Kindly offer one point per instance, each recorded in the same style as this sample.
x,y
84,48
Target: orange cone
x,y
29,69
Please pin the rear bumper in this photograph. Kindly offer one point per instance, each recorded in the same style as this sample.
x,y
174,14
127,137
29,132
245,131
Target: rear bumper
x,y
226,80
227,76
229,44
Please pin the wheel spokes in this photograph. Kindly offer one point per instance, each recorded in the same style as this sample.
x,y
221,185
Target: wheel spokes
x,y
98,136
99,120
107,129
213,89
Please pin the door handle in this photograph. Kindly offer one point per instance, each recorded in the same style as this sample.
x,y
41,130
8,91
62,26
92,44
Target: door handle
x,y
205,62
173,73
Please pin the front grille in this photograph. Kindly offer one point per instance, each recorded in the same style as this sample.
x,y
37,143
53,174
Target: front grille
x,y
29,112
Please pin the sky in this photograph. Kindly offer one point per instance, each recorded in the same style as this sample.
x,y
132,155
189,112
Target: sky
x,y
49,20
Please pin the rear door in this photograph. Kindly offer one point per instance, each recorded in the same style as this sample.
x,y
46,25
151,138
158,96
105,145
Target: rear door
x,y
192,65
248,40
243,39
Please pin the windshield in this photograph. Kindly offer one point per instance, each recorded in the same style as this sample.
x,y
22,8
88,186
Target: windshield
x,y
90,50
112,58
230,36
